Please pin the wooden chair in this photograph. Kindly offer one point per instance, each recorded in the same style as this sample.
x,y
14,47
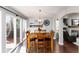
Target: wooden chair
x,y
39,39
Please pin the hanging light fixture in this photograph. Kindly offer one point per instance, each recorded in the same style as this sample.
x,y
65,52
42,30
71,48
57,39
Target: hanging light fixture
x,y
39,20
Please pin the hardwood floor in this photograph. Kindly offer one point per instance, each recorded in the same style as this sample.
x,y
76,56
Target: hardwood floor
x,y
68,47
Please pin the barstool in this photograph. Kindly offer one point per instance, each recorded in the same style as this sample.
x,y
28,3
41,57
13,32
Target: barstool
x,y
47,45
33,44
40,45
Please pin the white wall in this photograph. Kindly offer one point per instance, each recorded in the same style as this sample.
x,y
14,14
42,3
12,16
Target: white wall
x,y
61,41
0,34
47,28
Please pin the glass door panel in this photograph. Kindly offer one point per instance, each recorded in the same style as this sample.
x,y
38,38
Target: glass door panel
x,y
9,33
18,30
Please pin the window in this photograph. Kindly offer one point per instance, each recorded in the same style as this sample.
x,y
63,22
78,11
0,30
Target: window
x,y
57,25
18,30
9,32
75,21
24,27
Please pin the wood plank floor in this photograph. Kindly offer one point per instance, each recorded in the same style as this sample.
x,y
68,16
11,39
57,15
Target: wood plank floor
x,y
68,47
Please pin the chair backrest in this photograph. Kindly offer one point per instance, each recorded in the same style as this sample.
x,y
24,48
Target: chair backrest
x,y
65,35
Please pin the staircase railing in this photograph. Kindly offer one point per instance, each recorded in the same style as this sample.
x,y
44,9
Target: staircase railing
x,y
19,44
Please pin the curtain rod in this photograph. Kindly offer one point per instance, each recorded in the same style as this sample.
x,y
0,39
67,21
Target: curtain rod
x,y
14,12
9,10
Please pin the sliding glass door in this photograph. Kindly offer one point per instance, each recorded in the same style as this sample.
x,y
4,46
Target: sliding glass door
x,y
9,33
18,30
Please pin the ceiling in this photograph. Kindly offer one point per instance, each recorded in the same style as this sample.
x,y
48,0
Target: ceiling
x,y
33,11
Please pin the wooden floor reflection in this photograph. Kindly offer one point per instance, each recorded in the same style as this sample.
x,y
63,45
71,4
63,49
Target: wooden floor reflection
x,y
68,47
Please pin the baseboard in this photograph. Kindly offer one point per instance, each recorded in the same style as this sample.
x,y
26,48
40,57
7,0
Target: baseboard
x,y
61,43
76,43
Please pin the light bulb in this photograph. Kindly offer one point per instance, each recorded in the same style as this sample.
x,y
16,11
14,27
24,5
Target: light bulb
x,y
39,20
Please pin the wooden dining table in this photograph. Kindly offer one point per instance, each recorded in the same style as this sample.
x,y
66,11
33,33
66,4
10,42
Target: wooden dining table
x,y
39,36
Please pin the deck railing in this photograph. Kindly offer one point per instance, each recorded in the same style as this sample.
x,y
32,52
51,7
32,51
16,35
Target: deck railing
x,y
18,45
